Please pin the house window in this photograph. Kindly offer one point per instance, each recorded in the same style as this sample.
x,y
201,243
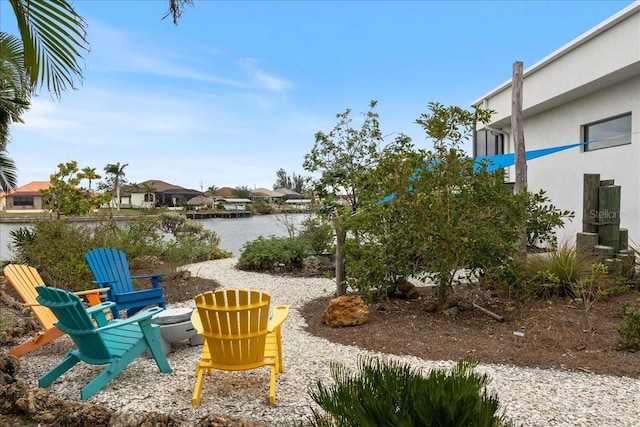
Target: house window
x,y
488,143
608,133
149,197
23,201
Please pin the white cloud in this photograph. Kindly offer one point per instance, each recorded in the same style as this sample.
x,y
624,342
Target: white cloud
x,y
261,78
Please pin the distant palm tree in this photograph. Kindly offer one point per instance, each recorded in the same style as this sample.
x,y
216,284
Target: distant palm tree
x,y
117,171
90,174
212,189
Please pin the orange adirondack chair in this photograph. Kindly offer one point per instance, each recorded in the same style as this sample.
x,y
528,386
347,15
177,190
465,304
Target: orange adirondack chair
x,y
237,334
24,280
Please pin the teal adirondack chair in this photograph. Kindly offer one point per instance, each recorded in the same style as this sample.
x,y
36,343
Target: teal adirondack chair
x,y
111,269
115,344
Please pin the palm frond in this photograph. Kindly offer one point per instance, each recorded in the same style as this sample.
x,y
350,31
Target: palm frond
x,y
54,38
8,172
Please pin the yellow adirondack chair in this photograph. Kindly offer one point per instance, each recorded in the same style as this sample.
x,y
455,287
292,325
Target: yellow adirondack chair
x,y
24,280
237,334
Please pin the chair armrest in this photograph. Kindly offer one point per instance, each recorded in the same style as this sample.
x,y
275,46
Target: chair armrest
x,y
280,314
91,291
143,315
100,307
100,312
93,296
196,322
154,278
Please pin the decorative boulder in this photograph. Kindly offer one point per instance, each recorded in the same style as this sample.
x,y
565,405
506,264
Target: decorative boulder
x,y
346,310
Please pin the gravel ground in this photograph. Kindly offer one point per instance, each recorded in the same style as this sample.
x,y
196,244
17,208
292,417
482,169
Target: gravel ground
x,y
530,397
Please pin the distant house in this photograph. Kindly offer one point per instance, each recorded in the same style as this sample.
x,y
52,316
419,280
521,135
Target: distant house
x,y
288,194
274,196
265,195
587,90
25,198
156,193
223,192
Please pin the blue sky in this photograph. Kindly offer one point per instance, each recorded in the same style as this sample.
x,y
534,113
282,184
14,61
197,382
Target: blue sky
x,y
238,89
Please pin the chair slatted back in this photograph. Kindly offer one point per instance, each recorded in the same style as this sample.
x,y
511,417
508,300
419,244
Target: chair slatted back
x,y
74,320
235,325
24,280
110,266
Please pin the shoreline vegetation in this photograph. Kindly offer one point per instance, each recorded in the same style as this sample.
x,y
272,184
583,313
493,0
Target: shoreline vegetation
x,y
125,214
122,215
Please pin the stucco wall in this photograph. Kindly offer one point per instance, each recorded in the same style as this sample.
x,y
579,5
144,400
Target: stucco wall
x,y
561,174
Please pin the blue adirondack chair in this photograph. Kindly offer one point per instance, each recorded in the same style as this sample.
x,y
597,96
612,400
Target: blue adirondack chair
x,y
115,344
111,269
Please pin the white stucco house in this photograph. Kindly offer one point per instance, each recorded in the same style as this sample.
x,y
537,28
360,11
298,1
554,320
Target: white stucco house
x,y
588,89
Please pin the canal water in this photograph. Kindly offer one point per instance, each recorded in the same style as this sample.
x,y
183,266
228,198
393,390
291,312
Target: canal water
x,y
233,232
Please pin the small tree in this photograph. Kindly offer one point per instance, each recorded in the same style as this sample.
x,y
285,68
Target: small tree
x,y
342,157
297,183
443,213
65,196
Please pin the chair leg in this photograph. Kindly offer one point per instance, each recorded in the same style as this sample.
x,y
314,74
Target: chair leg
x,y
197,390
36,342
103,378
152,337
65,364
279,350
272,384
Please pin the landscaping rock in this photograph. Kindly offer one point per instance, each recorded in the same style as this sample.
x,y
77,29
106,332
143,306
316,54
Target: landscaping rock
x,y
346,310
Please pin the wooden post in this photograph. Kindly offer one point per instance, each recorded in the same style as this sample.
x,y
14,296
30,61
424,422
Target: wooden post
x,y
517,132
590,194
603,252
609,217
624,239
586,241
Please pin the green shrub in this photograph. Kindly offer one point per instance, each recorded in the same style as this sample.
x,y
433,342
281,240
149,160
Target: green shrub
x,y
272,254
393,394
57,248
261,207
317,235
542,220
137,237
629,328
511,278
555,273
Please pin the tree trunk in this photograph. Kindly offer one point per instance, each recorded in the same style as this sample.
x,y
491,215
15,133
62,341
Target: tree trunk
x,y
517,133
341,237
117,194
